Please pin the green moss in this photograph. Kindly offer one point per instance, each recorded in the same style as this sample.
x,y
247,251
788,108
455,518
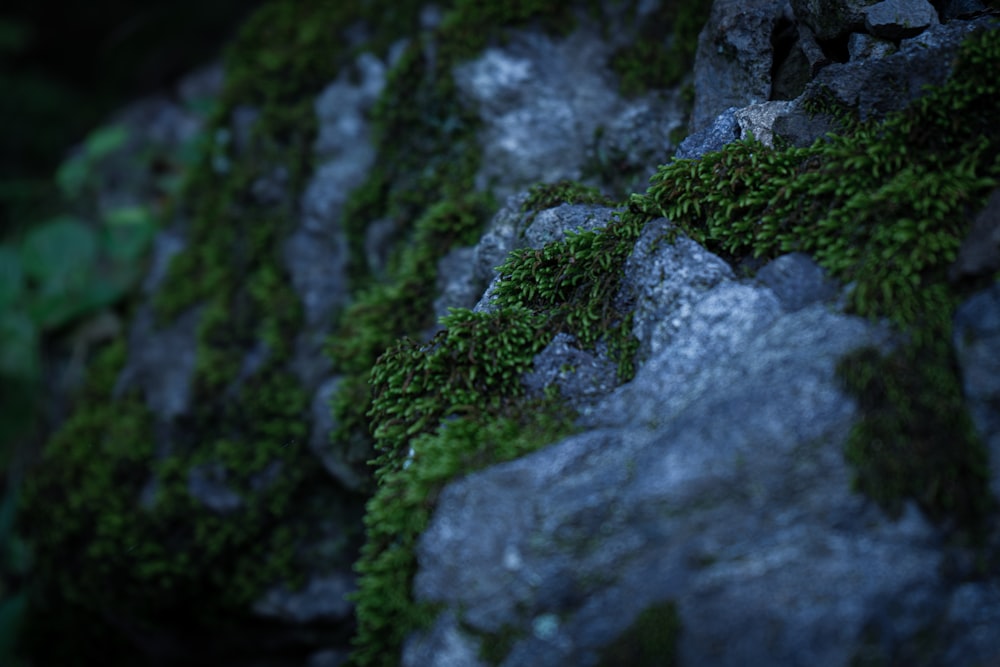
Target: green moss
x,y
651,640
916,440
884,207
663,53
440,410
549,195
574,282
116,531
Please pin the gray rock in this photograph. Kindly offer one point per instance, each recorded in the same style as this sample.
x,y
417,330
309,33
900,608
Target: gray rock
x,y
899,19
445,645
974,612
831,19
663,281
502,235
543,100
457,283
977,347
798,281
580,376
316,253
553,224
161,362
862,47
209,485
322,599
878,87
721,499
722,131
758,120
733,61
980,251
347,467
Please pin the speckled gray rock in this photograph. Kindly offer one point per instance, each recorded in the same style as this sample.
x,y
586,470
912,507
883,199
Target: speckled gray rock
x,y
715,479
544,102
879,86
977,346
723,130
581,376
899,19
861,46
757,120
161,362
798,281
733,61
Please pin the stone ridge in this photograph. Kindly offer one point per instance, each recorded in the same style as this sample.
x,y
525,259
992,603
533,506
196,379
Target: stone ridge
x,y
750,404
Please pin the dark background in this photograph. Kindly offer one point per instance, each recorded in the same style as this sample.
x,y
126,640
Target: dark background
x,y
65,66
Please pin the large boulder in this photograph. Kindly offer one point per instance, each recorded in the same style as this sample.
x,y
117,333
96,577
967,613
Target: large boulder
x,y
591,410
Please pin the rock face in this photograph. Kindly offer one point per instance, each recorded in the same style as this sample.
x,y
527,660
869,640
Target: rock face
x,y
708,484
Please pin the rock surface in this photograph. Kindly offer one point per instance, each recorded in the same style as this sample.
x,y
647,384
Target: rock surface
x,y
714,481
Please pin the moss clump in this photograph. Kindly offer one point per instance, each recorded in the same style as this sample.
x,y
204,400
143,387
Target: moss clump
x,y
122,546
663,53
916,440
549,195
651,640
574,282
440,409
883,206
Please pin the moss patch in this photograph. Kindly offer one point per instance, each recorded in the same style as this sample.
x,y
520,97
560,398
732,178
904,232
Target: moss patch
x,y
885,207
663,53
122,547
651,640
441,409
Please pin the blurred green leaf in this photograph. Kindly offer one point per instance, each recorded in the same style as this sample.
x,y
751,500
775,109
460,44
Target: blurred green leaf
x,y
105,140
60,253
129,215
11,277
54,308
18,346
72,176
129,232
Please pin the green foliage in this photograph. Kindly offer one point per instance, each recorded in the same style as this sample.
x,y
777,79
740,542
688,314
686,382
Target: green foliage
x,y
172,561
916,440
100,554
441,410
75,173
651,640
664,51
883,207
574,282
549,195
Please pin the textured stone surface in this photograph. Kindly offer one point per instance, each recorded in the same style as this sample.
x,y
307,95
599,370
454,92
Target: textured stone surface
x,y
977,346
735,406
899,19
544,101
733,62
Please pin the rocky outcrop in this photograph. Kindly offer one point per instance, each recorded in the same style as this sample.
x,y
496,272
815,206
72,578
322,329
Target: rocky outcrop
x,y
687,425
